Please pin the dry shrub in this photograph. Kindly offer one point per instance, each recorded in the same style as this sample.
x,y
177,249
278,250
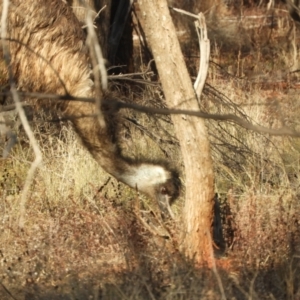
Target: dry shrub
x,y
81,238
266,228
256,179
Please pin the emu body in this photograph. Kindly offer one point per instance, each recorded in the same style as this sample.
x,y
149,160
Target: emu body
x,y
48,55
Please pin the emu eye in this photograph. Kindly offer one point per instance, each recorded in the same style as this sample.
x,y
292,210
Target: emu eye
x,y
164,191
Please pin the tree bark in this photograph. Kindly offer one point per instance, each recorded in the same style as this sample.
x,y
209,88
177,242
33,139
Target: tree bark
x,y
191,132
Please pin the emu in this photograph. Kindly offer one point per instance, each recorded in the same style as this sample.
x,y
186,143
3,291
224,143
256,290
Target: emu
x,y
49,29
293,8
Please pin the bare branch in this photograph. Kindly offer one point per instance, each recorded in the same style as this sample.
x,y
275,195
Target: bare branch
x,y
217,117
116,105
185,12
204,45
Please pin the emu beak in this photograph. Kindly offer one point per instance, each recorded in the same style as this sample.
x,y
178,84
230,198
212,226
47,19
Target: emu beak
x,y
164,205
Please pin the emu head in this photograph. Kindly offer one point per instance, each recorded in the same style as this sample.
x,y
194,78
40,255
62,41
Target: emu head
x,y
167,192
157,181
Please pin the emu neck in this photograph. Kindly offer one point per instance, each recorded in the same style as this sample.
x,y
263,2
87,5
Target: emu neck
x,y
100,141
144,177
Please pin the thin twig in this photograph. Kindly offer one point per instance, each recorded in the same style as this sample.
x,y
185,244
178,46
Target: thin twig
x,y
7,291
184,12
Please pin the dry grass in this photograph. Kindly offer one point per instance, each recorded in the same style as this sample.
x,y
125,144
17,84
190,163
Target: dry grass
x,y
83,240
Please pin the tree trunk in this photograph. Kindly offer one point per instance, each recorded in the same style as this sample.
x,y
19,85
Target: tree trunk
x,y
114,29
191,132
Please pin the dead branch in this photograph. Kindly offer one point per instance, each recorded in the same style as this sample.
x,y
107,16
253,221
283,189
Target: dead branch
x,y
116,105
204,45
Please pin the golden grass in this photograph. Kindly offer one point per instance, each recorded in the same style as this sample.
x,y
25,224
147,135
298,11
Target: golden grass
x,y
83,240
